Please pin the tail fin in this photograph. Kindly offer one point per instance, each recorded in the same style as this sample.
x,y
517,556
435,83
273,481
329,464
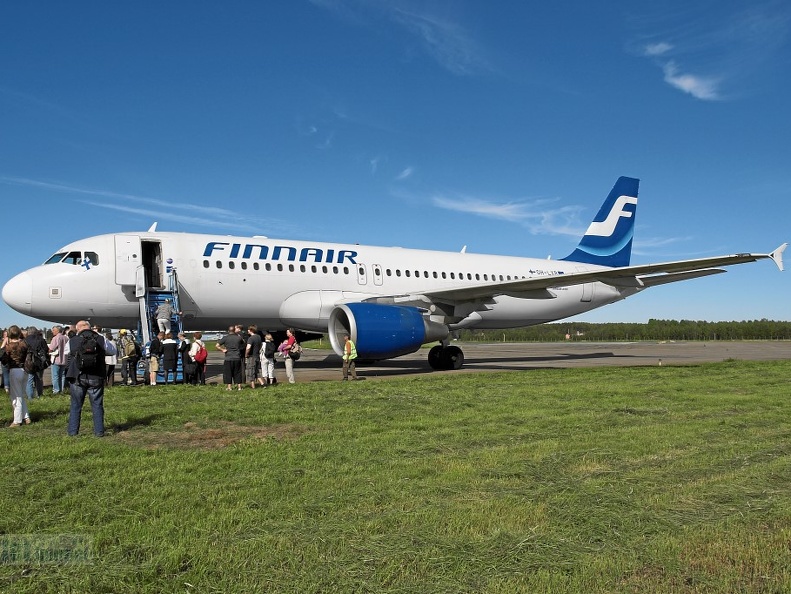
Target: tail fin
x,y
608,240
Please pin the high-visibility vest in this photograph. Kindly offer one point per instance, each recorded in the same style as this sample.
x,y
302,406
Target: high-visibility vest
x,y
349,354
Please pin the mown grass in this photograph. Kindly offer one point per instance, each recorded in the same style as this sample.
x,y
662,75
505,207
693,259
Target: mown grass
x,y
661,479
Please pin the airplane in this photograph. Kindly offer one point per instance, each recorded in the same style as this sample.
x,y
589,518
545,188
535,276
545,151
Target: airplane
x,y
391,301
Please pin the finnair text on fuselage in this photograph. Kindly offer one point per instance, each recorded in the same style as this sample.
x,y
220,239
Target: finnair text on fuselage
x,y
287,253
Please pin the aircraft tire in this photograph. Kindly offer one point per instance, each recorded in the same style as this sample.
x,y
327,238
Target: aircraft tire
x,y
435,357
452,357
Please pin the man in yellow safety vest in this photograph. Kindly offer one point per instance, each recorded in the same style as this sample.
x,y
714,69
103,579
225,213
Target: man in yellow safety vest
x,y
349,355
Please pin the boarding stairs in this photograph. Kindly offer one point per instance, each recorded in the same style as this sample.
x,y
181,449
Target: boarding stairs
x,y
149,301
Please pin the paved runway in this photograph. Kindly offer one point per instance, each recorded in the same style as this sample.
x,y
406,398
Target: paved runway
x,y
321,365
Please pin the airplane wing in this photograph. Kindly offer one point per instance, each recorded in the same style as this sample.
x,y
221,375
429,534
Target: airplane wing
x,y
642,276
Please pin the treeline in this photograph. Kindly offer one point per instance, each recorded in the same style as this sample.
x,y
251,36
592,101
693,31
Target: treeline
x,y
653,330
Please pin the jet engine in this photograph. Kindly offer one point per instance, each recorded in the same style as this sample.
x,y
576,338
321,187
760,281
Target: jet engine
x,y
382,331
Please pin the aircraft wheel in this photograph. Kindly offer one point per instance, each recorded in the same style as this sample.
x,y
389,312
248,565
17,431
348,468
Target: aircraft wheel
x,y
452,357
435,357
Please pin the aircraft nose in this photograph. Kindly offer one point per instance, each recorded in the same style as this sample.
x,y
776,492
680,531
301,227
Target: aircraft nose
x,y
18,293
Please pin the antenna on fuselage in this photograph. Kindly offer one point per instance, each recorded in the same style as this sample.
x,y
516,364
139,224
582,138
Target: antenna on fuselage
x,y
464,250
153,228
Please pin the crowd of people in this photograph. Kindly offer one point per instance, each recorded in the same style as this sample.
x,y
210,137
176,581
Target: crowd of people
x,y
79,357
249,359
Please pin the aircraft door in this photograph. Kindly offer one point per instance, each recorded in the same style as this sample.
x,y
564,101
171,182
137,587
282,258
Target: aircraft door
x,y
127,259
378,276
152,261
362,274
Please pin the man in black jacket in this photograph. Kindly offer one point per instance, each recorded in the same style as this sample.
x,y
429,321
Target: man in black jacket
x,y
88,380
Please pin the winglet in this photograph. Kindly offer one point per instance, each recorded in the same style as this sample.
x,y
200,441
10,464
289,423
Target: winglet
x,y
777,256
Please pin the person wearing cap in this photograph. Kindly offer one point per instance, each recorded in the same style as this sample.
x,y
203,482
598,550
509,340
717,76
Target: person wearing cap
x,y
163,315
129,356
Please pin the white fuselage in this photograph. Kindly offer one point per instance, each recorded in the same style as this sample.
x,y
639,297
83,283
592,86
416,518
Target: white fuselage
x,y
280,283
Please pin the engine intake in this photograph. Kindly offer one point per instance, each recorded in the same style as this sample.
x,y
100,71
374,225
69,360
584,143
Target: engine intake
x,y
382,331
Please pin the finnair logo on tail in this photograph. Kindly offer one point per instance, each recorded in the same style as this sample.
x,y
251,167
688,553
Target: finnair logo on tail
x,y
607,227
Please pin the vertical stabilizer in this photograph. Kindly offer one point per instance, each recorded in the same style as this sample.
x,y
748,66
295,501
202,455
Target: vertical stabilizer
x,y
608,240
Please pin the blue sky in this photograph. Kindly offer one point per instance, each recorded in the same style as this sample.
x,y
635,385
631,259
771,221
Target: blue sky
x,y
427,124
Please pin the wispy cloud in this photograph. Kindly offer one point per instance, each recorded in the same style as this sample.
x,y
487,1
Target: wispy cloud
x,y
657,49
445,41
540,217
155,209
406,173
712,54
442,38
374,163
700,87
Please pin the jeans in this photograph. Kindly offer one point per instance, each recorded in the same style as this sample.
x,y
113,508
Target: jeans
x,y
35,384
130,365
58,378
93,386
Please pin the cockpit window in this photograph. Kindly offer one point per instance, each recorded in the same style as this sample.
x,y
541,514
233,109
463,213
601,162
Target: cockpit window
x,y
56,258
75,258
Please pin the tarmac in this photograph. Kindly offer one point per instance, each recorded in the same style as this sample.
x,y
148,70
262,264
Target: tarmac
x,y
322,365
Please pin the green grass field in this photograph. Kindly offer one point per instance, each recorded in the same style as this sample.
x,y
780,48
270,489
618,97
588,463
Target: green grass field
x,y
660,479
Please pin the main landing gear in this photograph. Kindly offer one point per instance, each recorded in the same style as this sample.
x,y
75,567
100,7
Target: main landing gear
x,y
443,357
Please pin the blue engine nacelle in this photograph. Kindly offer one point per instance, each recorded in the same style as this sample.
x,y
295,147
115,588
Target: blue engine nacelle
x,y
382,331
